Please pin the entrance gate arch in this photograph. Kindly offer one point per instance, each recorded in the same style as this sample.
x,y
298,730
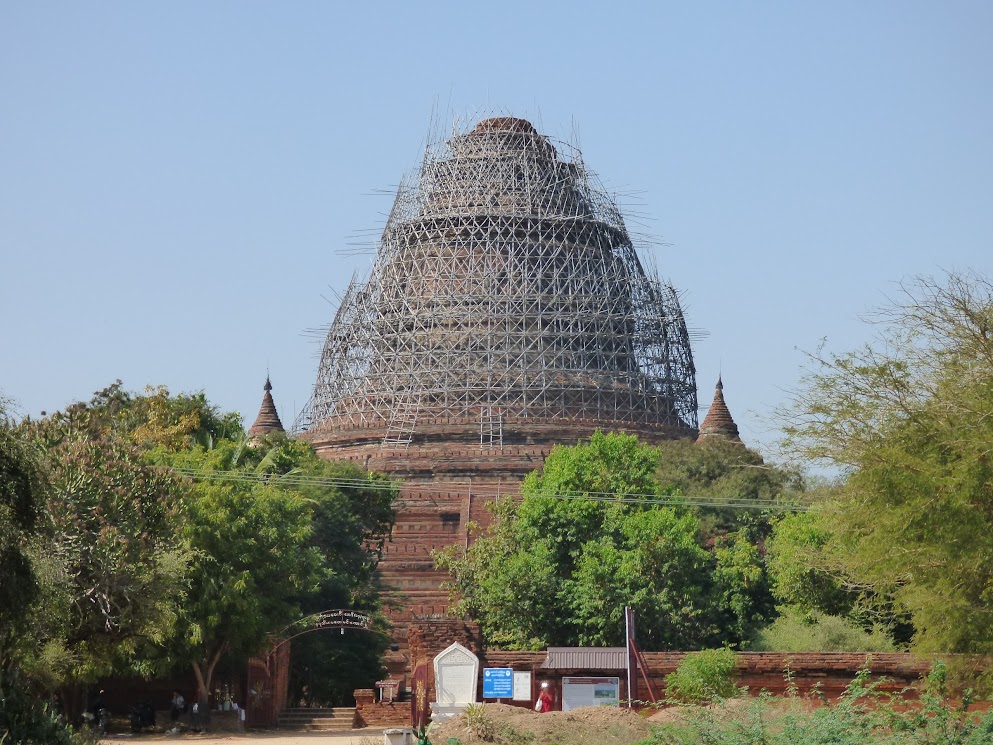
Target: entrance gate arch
x,y
269,676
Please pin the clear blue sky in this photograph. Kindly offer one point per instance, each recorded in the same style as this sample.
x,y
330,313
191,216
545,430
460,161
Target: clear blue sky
x,y
177,179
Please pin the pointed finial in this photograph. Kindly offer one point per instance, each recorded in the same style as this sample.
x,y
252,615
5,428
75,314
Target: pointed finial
x,y
720,383
268,385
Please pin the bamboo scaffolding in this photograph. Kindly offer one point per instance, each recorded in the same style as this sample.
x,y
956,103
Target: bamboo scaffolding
x,y
505,285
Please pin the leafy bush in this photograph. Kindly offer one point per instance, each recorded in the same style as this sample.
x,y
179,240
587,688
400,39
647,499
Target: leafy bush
x,y
795,631
26,721
478,722
703,676
861,716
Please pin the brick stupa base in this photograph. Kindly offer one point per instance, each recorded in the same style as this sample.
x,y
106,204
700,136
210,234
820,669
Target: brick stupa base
x,y
448,481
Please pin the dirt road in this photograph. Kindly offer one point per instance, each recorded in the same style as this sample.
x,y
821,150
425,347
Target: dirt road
x,y
359,737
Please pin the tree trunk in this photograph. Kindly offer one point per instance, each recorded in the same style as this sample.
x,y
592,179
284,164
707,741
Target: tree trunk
x,y
203,690
205,677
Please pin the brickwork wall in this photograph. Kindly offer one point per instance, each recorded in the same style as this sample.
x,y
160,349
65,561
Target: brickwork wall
x,y
829,673
516,660
426,639
371,713
448,481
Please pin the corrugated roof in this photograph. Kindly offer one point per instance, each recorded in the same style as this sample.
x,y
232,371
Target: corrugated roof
x,y
585,658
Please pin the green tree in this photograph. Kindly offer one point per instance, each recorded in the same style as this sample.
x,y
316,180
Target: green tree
x,y
137,569
741,586
160,419
23,716
651,560
811,588
720,470
275,541
108,551
559,567
253,562
21,499
798,567
907,419
351,519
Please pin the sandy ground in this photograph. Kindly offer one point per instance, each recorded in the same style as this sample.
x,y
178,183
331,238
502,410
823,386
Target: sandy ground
x,y
513,724
355,737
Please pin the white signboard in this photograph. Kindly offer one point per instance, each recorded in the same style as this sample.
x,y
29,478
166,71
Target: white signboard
x,y
456,672
577,692
522,686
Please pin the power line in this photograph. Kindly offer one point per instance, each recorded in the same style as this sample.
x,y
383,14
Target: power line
x,y
295,479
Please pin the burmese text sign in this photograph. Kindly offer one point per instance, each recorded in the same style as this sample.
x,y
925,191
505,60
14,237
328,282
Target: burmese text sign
x,y
498,682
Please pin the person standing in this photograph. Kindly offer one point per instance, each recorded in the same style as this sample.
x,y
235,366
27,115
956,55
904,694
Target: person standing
x,y
177,707
238,712
545,701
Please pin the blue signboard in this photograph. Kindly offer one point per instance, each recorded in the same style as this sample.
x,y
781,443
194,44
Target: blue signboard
x,y
498,682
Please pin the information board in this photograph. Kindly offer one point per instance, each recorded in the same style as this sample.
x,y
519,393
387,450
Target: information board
x,y
498,682
522,686
577,692
387,689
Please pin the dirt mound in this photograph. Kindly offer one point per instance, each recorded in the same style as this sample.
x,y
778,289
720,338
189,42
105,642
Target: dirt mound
x,y
513,725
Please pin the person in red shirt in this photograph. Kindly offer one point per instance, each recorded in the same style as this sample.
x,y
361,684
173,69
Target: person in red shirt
x,y
545,701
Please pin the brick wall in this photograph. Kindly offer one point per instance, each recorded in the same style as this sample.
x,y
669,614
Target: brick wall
x,y
829,673
427,638
371,713
448,480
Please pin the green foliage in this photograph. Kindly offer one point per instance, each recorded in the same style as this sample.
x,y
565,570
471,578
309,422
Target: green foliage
x,y
25,720
741,586
21,500
798,630
862,716
652,561
108,548
609,464
253,561
725,470
139,569
708,675
350,526
795,565
273,545
478,723
820,606
908,419
160,419
559,571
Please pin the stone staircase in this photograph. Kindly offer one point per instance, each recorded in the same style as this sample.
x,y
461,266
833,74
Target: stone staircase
x,y
338,719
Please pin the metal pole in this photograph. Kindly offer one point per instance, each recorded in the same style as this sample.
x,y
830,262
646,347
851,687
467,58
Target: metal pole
x,y
632,660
